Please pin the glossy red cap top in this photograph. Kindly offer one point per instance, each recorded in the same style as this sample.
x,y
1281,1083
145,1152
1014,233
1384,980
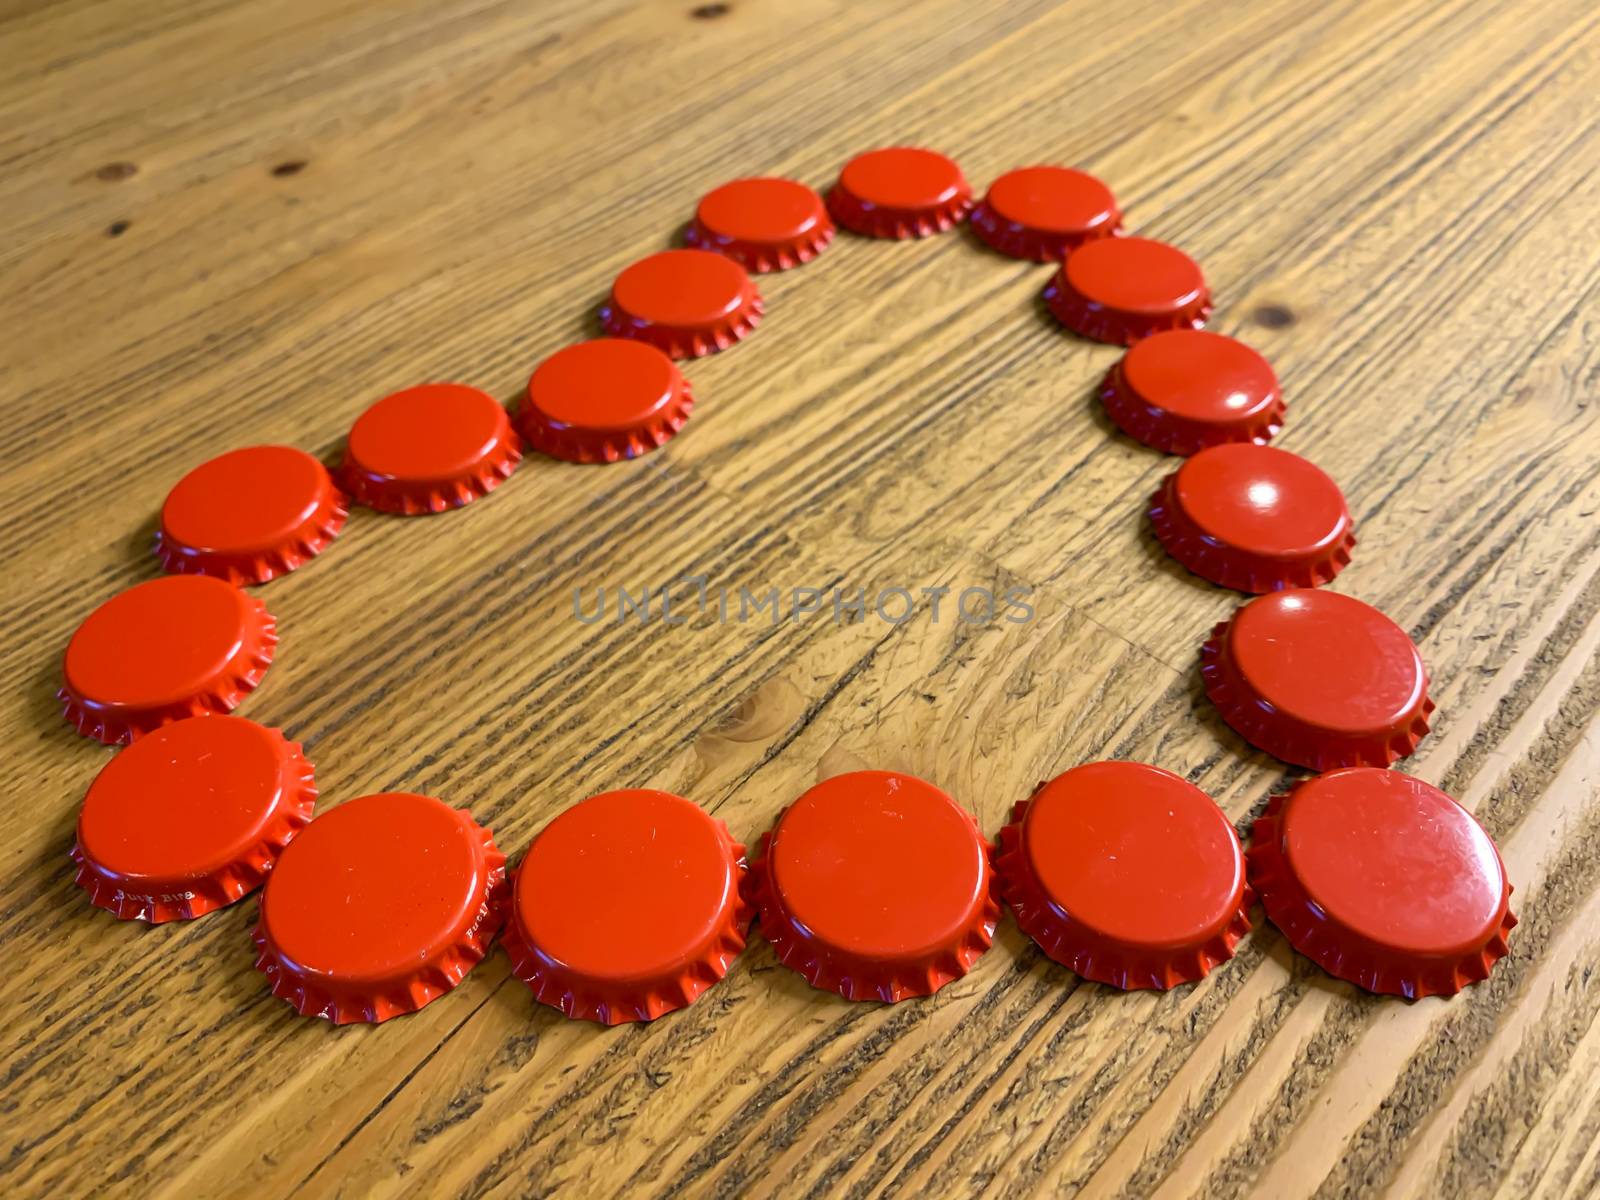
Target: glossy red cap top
x,y
1383,880
190,818
605,400
1318,679
428,449
876,885
686,303
379,906
1127,874
900,192
249,515
1182,390
627,907
1043,213
171,648
1122,289
1254,518
762,224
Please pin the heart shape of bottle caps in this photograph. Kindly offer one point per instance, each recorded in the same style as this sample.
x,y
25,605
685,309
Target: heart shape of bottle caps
x,y
873,884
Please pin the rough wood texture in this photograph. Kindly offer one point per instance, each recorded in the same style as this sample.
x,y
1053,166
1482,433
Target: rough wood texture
x,y
235,223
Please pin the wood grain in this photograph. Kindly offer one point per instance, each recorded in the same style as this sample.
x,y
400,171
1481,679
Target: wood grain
x,y
235,223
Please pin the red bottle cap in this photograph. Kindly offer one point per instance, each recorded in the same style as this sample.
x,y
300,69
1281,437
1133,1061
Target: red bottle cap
x,y
1042,213
1122,289
171,648
762,224
901,192
1254,518
379,906
1185,389
876,886
687,303
1383,880
249,515
190,818
1318,679
1127,874
627,907
605,400
428,449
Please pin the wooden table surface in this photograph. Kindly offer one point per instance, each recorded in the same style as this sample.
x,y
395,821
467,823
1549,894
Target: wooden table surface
x,y
228,224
